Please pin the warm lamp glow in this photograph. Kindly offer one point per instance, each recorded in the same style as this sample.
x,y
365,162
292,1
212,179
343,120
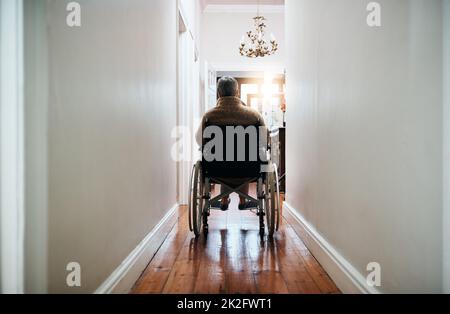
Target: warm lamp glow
x,y
267,88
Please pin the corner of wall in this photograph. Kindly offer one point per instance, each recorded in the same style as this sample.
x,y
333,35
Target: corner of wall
x,y
36,143
446,148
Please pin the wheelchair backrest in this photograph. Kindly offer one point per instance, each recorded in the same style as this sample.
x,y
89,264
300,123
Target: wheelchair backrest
x,y
234,151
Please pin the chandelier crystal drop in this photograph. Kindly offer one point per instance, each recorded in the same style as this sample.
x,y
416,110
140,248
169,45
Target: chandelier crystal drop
x,y
253,43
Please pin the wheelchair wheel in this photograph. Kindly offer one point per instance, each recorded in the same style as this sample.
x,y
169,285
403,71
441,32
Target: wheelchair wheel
x,y
277,200
196,200
272,202
191,189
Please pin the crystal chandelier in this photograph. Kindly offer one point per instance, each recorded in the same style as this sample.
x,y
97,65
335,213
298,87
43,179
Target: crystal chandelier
x,y
253,44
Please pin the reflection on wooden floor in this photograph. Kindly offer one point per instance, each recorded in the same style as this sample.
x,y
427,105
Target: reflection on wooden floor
x,y
233,259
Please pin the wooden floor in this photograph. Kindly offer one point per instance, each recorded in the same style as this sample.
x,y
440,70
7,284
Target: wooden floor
x,y
233,260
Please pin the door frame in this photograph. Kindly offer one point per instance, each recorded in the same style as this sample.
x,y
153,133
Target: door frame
x,y
188,100
182,114
12,166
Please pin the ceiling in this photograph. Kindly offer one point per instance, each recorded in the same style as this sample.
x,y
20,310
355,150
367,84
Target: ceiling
x,y
231,6
244,2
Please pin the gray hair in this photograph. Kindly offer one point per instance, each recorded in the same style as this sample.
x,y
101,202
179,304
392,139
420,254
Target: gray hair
x,y
227,86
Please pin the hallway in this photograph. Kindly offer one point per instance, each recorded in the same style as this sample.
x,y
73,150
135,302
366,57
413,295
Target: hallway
x,y
100,102
233,260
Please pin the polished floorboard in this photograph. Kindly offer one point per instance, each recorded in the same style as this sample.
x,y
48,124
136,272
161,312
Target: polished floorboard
x,y
233,260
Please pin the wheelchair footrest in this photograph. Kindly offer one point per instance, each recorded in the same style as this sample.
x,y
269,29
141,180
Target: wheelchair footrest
x,y
219,209
247,209
249,205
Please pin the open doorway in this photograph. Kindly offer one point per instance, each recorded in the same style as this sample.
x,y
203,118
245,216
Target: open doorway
x,y
261,79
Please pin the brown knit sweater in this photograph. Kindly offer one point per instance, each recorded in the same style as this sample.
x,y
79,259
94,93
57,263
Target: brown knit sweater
x,y
230,111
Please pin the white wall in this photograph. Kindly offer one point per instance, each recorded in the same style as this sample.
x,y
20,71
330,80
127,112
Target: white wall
x,y
222,33
36,122
365,134
446,219
11,147
111,110
193,10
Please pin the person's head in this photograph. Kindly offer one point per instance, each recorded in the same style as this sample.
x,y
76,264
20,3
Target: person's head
x,y
227,87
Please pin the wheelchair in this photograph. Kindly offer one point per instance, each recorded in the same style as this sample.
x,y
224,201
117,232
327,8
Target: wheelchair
x,y
245,167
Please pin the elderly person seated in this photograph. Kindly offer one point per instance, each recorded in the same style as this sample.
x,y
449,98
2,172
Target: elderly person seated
x,y
230,110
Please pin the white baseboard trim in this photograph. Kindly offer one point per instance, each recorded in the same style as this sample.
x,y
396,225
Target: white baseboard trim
x,y
347,278
125,276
